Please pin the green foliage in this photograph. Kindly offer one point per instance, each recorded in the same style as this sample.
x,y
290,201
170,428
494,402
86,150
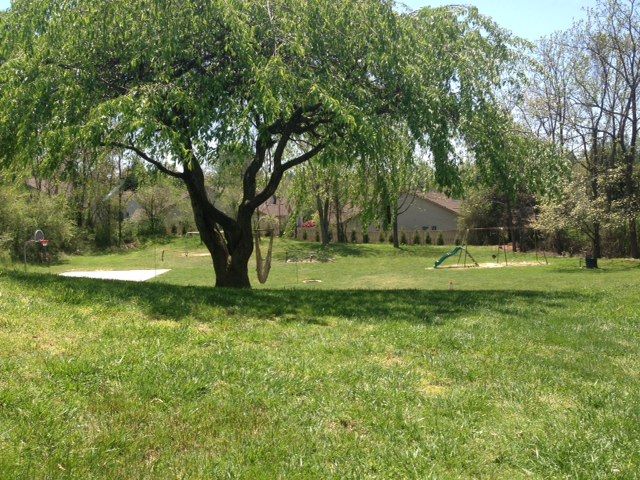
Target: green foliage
x,y
390,177
326,182
427,239
572,222
403,238
164,205
416,239
584,97
176,78
250,87
512,160
365,237
440,240
354,236
22,214
481,209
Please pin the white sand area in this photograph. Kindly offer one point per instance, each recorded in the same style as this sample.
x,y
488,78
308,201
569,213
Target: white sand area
x,y
124,275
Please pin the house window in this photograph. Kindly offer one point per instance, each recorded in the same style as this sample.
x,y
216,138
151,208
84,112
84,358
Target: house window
x,y
434,228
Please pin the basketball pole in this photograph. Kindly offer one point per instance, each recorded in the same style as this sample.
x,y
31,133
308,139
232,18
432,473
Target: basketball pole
x,y
25,255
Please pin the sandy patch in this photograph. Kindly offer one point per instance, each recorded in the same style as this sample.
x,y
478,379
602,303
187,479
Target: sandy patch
x,y
310,260
123,275
489,265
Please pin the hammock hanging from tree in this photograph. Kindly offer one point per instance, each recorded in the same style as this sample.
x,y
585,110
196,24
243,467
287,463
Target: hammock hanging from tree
x,y
263,267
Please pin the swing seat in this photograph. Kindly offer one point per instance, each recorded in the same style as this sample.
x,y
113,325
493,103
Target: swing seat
x,y
263,267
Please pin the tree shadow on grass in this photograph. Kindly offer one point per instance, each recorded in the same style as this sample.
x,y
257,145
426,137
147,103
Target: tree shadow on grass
x,y
207,304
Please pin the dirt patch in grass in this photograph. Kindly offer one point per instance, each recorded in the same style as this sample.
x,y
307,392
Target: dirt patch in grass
x,y
490,265
431,386
310,260
432,390
389,360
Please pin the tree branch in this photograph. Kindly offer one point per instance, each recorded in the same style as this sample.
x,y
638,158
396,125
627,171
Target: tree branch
x,y
278,173
304,157
147,158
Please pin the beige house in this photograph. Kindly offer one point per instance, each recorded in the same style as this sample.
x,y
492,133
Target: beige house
x,y
432,211
429,211
420,216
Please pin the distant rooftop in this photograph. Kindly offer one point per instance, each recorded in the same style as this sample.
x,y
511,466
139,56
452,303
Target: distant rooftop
x,y
442,200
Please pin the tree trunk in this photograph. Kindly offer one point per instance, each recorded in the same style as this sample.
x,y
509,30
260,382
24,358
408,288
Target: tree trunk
x,y
323,214
633,238
630,187
629,173
120,214
394,225
512,230
230,250
340,233
120,219
596,244
230,239
233,271
396,239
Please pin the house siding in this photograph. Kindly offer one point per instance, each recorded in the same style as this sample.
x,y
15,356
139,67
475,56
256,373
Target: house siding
x,y
417,214
422,213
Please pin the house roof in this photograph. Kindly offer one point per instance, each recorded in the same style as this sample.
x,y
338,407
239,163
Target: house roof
x,y
282,208
440,199
349,212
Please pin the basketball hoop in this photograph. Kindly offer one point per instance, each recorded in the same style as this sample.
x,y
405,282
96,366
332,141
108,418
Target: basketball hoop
x,y
38,237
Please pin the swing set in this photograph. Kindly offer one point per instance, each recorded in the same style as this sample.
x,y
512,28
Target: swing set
x,y
469,261
263,266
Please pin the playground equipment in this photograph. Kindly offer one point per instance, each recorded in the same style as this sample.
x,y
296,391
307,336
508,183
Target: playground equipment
x,y
457,251
263,267
499,236
460,249
38,238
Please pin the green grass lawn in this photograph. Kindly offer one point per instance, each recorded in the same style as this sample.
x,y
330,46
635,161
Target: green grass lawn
x,y
348,266
386,369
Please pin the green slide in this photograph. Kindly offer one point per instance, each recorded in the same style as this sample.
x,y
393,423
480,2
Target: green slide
x,y
446,256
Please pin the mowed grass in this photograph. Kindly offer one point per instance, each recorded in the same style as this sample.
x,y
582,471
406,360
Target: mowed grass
x,y
384,370
373,266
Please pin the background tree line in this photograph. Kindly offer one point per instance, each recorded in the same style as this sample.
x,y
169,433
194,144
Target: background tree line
x,y
583,97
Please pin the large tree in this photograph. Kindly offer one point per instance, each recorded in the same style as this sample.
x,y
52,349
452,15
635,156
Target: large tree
x,y
186,84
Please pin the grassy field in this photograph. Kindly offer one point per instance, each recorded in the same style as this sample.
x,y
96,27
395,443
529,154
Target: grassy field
x,y
386,369
337,267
